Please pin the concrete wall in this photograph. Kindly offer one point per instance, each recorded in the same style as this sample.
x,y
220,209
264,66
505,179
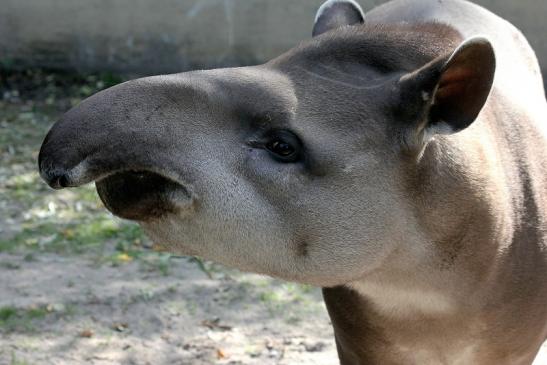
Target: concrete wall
x,y
157,36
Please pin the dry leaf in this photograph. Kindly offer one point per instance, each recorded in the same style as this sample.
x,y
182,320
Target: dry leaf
x,y
221,354
215,324
86,333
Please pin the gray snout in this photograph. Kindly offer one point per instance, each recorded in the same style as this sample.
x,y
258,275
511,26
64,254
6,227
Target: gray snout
x,y
119,139
59,170
55,177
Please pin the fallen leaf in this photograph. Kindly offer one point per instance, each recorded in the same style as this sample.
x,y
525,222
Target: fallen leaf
x,y
68,233
215,324
123,257
86,333
221,354
159,247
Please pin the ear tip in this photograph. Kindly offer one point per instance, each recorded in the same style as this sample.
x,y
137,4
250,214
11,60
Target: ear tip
x,y
487,49
478,41
329,3
478,45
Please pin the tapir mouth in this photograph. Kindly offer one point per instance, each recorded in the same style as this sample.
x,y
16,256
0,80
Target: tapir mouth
x,y
131,190
141,195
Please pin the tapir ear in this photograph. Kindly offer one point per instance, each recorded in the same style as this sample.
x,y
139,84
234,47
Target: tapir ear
x,y
446,95
335,14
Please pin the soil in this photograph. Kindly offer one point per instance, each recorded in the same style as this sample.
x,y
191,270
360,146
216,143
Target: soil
x,y
127,315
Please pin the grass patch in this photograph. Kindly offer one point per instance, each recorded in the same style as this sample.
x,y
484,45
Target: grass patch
x,y
288,300
14,319
82,235
16,361
160,262
206,267
19,319
129,251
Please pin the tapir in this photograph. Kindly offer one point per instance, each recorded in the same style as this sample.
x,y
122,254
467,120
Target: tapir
x,y
396,159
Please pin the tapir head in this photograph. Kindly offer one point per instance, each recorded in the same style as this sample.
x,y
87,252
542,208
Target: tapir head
x,y
297,168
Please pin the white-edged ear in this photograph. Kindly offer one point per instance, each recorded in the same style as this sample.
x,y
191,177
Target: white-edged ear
x,y
447,95
335,14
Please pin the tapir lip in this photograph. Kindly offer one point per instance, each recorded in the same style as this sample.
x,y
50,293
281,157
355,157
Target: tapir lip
x,y
134,189
142,195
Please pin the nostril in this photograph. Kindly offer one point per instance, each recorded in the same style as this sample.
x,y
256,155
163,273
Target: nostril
x,y
56,179
61,181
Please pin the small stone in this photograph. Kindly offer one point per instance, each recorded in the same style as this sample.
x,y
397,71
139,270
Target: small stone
x,y
120,327
315,347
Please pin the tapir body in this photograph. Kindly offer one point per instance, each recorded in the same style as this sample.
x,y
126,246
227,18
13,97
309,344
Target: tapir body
x,y
396,159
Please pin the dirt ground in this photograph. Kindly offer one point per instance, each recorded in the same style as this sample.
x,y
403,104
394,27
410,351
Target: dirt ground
x,y
130,315
77,285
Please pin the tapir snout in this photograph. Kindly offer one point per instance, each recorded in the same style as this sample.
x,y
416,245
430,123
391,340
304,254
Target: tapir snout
x,y
124,139
113,130
139,141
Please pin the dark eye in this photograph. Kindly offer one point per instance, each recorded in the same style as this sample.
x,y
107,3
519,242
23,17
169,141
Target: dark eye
x,y
284,146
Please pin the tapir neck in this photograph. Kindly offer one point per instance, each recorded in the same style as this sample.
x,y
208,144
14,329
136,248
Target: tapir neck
x,y
456,304
356,341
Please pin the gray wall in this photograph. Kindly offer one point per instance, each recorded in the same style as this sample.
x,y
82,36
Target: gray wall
x,y
157,36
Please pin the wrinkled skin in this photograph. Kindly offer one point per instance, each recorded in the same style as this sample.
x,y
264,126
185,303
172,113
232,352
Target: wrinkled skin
x,y
405,193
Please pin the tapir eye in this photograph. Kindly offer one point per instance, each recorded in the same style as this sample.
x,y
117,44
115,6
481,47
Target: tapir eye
x,y
284,146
